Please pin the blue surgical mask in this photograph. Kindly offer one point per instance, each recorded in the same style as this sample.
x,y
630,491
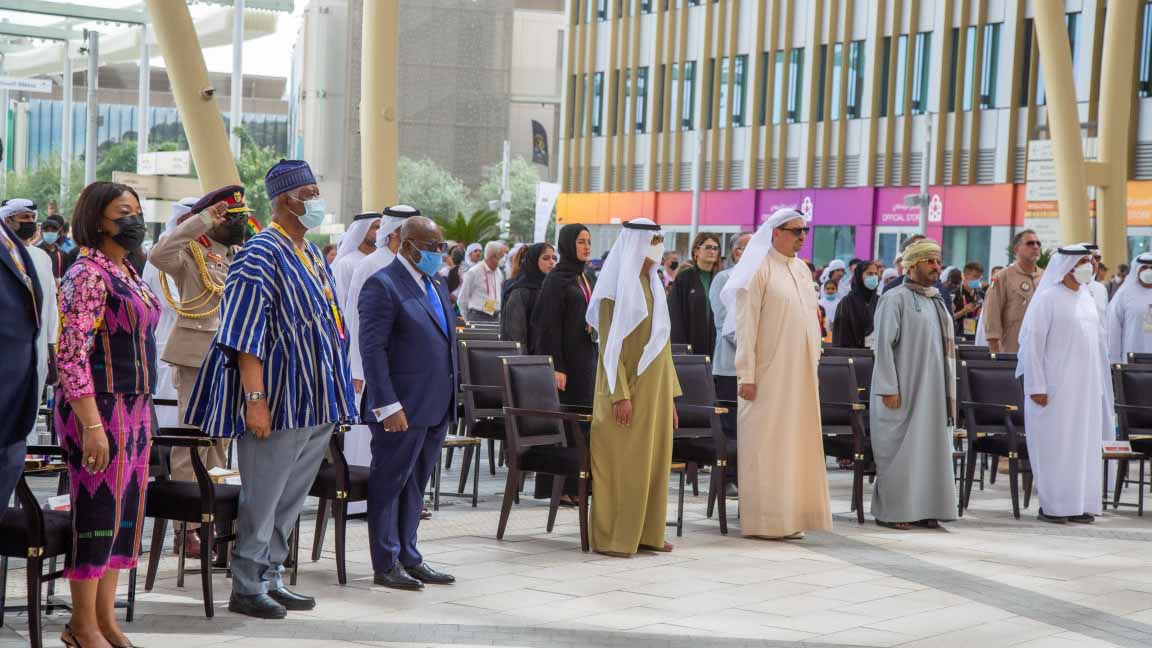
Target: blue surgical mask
x,y
974,284
51,237
429,262
314,212
830,298
872,282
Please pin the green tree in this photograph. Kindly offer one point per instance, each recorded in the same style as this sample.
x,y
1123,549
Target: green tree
x,y
253,165
42,183
430,188
522,180
115,156
482,226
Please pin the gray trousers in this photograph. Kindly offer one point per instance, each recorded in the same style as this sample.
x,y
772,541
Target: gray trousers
x,y
275,476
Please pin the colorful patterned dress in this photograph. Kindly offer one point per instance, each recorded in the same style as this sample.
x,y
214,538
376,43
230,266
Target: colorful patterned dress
x,y
107,351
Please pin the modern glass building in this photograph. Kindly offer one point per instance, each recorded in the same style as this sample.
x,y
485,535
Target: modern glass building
x,y
826,105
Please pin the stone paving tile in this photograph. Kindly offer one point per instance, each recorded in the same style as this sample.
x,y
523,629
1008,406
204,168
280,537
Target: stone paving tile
x,y
987,581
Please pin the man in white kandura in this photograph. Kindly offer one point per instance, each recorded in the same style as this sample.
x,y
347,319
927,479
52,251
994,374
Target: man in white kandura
x,y
1068,394
1130,312
356,245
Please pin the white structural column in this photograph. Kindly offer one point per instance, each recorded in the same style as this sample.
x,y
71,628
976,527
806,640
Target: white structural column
x,y
66,131
1063,121
237,95
379,113
93,115
143,123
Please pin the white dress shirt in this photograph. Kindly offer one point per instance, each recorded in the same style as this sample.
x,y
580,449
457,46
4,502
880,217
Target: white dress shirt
x,y
480,285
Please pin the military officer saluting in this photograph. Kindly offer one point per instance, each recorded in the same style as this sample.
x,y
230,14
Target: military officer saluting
x,y
195,257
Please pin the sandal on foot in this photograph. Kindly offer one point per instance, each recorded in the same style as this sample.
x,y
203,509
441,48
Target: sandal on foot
x,y
665,549
927,524
613,554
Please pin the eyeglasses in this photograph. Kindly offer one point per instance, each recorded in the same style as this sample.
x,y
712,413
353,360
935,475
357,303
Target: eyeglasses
x,y
710,248
795,231
428,246
1032,243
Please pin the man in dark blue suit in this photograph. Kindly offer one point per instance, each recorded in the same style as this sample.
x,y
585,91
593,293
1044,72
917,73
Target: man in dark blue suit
x,y
20,299
408,345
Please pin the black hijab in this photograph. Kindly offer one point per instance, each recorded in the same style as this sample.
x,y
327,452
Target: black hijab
x,y
856,311
529,274
570,266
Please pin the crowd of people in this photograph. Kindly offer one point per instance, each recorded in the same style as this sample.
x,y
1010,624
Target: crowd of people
x,y
270,342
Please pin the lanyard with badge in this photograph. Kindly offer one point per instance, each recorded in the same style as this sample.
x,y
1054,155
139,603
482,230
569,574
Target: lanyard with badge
x,y
489,293
1148,319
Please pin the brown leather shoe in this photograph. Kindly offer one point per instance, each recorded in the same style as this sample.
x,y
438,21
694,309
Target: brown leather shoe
x,y
192,544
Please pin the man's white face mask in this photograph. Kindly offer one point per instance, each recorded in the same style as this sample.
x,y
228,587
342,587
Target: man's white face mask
x,y
1146,275
655,252
1084,274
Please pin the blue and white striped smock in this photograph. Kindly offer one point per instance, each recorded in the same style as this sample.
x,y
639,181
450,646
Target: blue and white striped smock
x,y
275,309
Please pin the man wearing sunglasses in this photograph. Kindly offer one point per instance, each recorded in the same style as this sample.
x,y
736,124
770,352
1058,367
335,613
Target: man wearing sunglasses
x,y
407,345
1011,292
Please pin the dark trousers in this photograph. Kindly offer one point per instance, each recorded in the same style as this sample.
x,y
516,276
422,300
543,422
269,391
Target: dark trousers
x,y
726,390
11,468
402,464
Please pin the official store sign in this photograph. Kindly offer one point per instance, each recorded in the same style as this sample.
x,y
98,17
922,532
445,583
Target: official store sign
x,y
18,84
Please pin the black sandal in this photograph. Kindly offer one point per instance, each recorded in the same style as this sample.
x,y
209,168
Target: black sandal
x,y
69,639
927,524
898,526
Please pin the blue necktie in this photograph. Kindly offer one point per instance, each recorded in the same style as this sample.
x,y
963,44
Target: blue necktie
x,y
434,302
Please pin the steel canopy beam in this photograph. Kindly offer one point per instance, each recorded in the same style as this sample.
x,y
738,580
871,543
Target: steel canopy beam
x,y
69,10
43,33
285,6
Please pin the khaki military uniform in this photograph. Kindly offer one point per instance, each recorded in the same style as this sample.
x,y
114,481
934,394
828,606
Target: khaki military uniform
x,y
1005,304
192,337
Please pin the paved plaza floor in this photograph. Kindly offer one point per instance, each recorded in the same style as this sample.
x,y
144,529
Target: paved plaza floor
x,y
986,581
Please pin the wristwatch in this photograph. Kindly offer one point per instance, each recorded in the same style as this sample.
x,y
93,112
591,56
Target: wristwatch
x,y
254,396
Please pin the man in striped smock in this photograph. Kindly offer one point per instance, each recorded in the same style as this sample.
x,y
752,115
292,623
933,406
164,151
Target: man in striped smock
x,y
277,379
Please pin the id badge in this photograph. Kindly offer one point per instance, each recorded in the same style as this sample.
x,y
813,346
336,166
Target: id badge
x,y
1148,320
490,306
969,327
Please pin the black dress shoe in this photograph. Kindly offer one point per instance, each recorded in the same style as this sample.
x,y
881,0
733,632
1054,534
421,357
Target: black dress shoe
x,y
398,578
1083,518
260,606
291,600
1054,519
428,575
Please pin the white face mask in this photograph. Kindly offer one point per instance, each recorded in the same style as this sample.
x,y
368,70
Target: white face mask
x,y
655,253
1146,275
1084,274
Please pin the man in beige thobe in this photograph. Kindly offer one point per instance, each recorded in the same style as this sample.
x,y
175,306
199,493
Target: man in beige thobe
x,y
1010,293
783,478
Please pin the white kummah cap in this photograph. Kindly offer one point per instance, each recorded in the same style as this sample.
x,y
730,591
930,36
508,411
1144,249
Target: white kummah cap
x,y
16,206
750,262
833,266
394,217
619,281
1132,281
355,234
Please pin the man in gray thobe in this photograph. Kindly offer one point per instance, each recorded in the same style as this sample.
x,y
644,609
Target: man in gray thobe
x,y
913,398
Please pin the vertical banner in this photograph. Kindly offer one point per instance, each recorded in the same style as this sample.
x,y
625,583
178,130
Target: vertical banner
x,y
539,144
546,195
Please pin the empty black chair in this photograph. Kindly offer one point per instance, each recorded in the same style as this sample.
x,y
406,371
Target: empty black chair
x,y
842,419
1140,358
972,352
536,439
863,360
478,334
481,385
337,483
1132,384
681,349
700,439
993,415
202,501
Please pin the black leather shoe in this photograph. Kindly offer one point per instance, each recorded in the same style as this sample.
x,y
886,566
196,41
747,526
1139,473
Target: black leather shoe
x,y
1054,519
428,575
1083,518
398,578
260,606
291,600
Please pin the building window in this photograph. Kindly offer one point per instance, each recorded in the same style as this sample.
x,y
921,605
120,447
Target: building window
x,y
738,87
1145,77
796,76
1025,81
885,73
833,242
991,66
822,71
965,244
687,102
602,9
598,103
646,6
573,117
639,86
969,66
1072,22
901,65
920,73
837,74
855,79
